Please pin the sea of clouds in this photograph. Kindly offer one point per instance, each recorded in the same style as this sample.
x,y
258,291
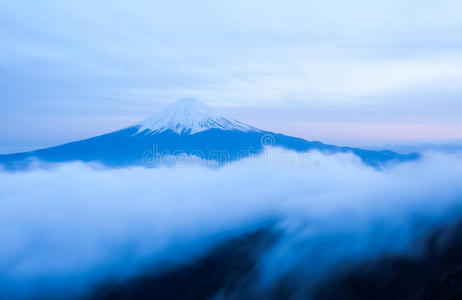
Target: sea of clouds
x,y
66,228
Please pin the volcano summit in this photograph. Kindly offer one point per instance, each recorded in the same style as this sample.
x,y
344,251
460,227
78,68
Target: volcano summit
x,y
187,127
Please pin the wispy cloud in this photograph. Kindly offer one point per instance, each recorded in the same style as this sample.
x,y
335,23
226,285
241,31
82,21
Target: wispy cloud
x,y
265,54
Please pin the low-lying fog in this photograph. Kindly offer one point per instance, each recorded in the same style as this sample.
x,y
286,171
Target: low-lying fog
x,y
65,228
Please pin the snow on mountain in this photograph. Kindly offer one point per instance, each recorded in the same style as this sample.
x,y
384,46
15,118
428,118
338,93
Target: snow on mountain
x,y
189,116
230,140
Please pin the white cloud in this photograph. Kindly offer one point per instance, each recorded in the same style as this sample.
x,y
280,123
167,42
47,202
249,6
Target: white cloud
x,y
69,226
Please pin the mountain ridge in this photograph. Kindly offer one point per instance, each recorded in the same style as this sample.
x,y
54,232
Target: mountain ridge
x,y
146,144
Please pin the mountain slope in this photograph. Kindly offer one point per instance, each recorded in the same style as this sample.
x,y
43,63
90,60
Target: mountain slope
x,y
188,127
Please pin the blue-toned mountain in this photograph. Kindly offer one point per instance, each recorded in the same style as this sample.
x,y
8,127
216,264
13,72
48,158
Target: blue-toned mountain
x,y
187,127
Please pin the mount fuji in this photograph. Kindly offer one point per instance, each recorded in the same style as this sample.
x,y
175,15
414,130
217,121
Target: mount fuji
x,y
187,127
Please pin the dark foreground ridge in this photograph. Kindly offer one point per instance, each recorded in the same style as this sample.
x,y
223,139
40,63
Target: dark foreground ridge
x,y
230,272
436,274
220,273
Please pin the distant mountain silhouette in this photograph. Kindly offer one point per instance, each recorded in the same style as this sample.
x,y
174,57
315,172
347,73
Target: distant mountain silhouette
x,y
188,127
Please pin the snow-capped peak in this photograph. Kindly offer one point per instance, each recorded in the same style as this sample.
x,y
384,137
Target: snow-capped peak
x,y
189,116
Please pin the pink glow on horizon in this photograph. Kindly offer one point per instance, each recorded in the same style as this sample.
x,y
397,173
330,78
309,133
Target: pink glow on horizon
x,y
367,133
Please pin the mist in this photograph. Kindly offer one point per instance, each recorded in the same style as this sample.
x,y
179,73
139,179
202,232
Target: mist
x,y
66,228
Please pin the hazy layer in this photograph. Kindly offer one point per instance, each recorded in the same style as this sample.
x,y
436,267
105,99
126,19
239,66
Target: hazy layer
x,y
64,228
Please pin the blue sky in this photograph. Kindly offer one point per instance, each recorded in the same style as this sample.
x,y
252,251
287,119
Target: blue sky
x,y
346,72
